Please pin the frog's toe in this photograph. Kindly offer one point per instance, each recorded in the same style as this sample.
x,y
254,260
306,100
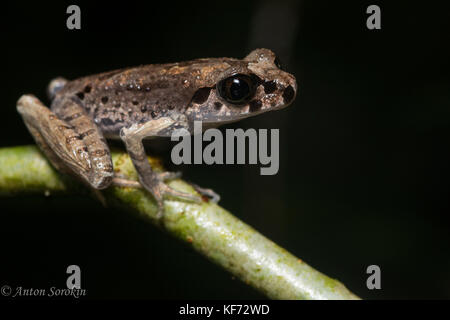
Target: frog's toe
x,y
167,175
168,191
209,193
124,182
159,190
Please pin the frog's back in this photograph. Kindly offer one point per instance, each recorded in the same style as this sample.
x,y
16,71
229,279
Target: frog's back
x,y
122,97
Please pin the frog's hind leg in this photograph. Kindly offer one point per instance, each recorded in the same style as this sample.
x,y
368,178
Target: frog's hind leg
x,y
208,193
75,147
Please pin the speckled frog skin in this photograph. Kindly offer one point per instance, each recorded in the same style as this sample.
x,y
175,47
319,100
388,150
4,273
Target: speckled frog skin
x,y
149,101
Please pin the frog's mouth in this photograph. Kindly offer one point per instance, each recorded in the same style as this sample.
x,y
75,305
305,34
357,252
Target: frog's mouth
x,y
216,120
214,124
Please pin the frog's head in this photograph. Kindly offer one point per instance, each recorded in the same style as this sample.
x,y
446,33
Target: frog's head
x,y
243,88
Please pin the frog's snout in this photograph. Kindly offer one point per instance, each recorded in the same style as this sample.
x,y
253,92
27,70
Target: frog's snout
x,y
290,89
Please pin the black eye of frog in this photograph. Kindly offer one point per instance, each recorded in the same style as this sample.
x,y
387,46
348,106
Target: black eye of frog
x,y
237,89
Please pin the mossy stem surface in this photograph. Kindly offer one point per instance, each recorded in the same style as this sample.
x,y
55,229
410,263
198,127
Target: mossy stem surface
x,y
206,227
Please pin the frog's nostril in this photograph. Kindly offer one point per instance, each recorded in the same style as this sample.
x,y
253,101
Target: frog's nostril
x,y
269,86
288,94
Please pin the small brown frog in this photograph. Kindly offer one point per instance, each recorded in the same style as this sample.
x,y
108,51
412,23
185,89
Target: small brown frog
x,y
149,101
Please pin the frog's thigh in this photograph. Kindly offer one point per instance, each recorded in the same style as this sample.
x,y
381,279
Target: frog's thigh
x,y
62,144
72,111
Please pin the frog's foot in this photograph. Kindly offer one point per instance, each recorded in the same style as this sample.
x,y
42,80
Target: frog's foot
x,y
163,176
169,175
155,184
159,189
124,182
204,192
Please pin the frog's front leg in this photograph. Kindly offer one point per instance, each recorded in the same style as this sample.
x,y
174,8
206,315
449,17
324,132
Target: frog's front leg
x,y
70,139
150,180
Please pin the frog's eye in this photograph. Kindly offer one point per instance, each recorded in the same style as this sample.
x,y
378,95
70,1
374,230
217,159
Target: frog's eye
x,y
277,63
237,89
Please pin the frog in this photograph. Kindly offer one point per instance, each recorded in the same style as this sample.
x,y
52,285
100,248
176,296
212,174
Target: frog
x,y
147,102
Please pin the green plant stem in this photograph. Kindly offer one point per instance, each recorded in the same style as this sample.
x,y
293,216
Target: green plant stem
x,y
208,228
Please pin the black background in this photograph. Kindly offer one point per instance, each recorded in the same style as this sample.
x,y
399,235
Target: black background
x,y
364,161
